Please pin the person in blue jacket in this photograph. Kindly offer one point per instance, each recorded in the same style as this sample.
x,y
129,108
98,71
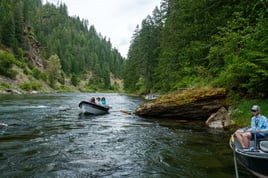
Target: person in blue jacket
x,y
259,126
103,101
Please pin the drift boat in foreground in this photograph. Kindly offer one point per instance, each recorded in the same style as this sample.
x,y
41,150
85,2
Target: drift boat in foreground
x,y
254,159
93,108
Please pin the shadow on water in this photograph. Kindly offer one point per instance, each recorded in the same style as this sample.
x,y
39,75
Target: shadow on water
x,y
47,137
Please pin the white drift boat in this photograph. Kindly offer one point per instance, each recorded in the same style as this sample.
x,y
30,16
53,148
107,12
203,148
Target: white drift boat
x,y
93,108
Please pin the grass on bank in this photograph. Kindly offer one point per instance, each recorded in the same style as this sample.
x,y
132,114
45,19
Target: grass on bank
x,y
241,113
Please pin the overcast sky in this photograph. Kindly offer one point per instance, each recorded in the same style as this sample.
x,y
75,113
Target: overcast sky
x,y
115,19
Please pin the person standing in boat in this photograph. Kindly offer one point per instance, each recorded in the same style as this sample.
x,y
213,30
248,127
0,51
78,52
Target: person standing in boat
x,y
259,126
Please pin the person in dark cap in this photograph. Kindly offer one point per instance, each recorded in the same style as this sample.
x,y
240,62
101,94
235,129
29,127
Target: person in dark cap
x,y
259,126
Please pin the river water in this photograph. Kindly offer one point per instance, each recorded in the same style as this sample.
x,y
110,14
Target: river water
x,y
47,136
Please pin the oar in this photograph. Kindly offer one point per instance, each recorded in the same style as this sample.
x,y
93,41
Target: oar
x,y
255,134
126,112
255,139
235,163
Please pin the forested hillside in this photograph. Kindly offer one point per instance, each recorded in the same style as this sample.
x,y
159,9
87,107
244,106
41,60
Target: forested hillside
x,y
186,44
49,46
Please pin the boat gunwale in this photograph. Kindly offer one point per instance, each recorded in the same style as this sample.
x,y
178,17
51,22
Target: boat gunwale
x,y
94,105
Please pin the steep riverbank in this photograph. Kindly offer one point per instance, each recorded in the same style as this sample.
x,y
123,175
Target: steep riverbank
x,y
24,83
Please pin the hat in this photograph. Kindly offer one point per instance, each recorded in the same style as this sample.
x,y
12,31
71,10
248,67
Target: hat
x,y
255,108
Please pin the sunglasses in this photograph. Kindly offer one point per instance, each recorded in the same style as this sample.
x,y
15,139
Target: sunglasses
x,y
254,110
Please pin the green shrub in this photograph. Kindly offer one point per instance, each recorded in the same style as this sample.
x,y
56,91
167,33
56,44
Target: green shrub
x,y
26,71
74,80
30,65
30,86
5,85
43,76
11,73
6,62
61,78
20,53
36,73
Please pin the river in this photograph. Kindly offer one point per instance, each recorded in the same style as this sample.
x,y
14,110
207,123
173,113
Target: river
x,y
47,136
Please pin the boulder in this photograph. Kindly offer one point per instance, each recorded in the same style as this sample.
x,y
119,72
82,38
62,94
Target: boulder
x,y
220,119
191,104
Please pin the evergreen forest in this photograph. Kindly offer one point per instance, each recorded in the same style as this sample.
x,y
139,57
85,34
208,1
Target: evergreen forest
x,y
197,43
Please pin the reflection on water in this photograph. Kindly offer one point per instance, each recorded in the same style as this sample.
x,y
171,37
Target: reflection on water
x,y
47,137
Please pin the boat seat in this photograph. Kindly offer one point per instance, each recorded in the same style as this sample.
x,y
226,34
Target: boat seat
x,y
264,146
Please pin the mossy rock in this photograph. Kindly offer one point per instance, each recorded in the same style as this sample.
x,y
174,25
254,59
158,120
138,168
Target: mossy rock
x,y
192,104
